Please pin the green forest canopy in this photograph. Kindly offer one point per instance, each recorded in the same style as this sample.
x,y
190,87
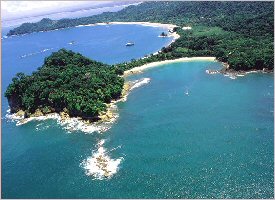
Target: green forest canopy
x,y
239,33
68,82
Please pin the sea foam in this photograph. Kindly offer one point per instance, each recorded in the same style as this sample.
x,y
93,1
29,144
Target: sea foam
x,y
140,82
100,165
77,124
35,53
70,124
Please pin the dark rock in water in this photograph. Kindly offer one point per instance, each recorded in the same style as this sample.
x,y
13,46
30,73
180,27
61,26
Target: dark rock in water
x,y
163,34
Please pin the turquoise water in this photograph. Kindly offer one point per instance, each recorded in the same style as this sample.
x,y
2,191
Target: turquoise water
x,y
214,141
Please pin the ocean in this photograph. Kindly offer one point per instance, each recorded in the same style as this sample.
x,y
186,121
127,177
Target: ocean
x,y
182,133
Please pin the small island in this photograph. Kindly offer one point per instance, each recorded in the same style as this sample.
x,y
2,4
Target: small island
x,y
163,34
67,83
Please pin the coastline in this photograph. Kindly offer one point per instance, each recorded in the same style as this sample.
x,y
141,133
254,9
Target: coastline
x,y
106,119
226,71
152,24
142,68
233,74
111,114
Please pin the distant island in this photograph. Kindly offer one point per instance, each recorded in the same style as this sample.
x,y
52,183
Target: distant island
x,y
237,33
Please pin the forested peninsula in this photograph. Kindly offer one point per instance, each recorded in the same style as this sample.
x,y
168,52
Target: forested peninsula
x,y
67,82
237,33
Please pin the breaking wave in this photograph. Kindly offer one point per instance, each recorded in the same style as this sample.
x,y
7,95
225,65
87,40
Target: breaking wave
x,y
70,124
140,82
77,124
100,165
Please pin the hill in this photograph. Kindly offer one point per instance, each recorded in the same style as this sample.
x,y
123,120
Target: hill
x,y
67,82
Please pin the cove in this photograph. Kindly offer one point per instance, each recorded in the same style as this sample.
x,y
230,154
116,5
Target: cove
x,y
214,141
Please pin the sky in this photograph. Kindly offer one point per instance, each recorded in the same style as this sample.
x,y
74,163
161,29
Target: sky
x,y
20,9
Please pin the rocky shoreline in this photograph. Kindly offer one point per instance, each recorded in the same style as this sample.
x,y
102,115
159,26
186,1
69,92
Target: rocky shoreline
x,y
233,74
102,123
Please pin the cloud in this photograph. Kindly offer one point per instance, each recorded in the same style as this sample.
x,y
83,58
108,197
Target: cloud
x,y
19,9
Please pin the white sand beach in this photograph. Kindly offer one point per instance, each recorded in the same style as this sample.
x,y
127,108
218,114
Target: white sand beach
x,y
168,26
161,63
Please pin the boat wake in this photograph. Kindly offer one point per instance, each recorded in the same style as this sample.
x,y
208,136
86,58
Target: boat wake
x,y
35,53
100,166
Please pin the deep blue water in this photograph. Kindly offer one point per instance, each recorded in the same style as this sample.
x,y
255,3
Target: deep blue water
x,y
217,141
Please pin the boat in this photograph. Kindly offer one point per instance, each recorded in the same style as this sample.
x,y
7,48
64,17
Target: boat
x,y
72,42
129,44
186,92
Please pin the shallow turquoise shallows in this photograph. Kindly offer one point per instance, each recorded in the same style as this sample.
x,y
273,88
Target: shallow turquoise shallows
x,y
185,134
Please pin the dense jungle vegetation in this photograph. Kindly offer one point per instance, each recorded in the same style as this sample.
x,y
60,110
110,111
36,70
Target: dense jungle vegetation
x,y
240,33
68,82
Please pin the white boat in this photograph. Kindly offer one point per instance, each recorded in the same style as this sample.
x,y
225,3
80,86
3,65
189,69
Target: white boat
x,y
129,44
186,92
72,42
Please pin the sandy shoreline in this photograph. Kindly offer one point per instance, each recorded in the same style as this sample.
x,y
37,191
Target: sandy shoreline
x,y
160,63
167,26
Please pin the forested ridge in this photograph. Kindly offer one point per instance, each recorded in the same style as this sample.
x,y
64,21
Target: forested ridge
x,y
67,82
242,17
239,33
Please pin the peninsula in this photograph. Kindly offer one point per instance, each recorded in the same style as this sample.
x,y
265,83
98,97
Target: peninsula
x,y
237,33
67,82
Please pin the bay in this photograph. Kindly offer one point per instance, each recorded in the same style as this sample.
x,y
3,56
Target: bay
x,y
185,134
